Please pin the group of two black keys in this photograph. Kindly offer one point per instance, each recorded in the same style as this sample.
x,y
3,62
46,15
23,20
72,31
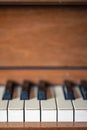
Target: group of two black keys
x,y
68,90
42,90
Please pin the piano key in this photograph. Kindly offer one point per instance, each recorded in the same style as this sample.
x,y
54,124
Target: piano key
x,y
3,106
80,106
8,91
32,107
83,88
3,110
48,107
15,106
64,107
68,85
42,90
2,89
25,90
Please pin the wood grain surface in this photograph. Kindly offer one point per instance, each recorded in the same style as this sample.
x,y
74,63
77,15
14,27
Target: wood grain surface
x,y
52,76
42,126
33,2
43,36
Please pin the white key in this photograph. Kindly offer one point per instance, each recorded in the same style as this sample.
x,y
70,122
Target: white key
x,y
48,108
2,90
3,106
32,107
15,108
64,107
80,107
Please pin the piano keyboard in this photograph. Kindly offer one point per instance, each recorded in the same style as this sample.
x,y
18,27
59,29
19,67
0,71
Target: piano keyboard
x,y
43,103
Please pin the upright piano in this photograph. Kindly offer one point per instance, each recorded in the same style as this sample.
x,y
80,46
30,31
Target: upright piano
x,y
43,65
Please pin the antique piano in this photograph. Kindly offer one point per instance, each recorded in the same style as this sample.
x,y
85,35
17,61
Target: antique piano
x,y
43,65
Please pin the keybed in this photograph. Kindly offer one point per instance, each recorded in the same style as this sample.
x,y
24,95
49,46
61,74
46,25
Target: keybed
x,y
43,103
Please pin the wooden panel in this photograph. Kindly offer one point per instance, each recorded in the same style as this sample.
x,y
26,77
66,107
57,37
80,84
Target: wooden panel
x,y
43,1
53,76
42,126
43,36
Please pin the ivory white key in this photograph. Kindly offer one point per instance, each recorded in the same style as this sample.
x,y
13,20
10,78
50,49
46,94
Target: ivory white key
x,y
15,107
48,107
32,107
64,107
3,106
2,90
80,107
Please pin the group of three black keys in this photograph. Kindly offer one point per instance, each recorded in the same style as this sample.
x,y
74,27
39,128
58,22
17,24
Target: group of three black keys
x,y
42,90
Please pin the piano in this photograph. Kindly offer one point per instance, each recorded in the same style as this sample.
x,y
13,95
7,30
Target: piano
x,y
43,67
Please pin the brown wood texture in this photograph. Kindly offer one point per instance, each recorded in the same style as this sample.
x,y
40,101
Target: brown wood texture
x,y
52,76
27,2
42,126
43,36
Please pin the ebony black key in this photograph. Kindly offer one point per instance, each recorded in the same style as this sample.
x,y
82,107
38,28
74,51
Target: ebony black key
x,y
68,90
42,90
9,90
83,88
25,90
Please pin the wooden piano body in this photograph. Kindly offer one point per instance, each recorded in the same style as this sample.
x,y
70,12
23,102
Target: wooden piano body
x,y
43,2
48,43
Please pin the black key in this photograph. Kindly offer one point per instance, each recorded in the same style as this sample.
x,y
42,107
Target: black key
x,y
8,91
83,89
25,90
68,90
42,90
